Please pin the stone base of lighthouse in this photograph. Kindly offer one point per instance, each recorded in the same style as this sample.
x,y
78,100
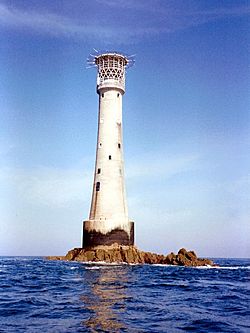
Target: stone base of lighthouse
x,y
94,234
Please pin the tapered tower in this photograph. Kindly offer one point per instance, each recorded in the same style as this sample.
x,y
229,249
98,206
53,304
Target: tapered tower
x,y
108,219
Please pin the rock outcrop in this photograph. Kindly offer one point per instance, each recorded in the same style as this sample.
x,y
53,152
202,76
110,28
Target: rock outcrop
x,y
131,255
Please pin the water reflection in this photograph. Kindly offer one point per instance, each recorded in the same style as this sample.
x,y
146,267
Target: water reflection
x,y
105,298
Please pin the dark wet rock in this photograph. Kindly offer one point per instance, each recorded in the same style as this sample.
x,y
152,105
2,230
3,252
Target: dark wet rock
x,y
182,251
72,254
131,255
169,259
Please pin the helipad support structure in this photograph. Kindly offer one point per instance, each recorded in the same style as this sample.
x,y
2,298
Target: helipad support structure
x,y
108,219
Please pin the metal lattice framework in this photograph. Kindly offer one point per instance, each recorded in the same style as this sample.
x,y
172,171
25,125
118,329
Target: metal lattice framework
x,y
111,68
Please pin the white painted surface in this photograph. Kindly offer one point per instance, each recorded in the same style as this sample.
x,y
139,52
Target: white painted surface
x,y
109,207
109,203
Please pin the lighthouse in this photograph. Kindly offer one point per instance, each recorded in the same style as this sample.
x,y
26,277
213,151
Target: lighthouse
x,y
108,221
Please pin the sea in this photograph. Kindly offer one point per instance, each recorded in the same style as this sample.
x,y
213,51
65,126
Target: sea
x,y
37,295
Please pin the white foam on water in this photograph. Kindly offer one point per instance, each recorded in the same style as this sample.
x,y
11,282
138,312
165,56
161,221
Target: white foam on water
x,y
163,265
223,267
103,263
203,267
99,267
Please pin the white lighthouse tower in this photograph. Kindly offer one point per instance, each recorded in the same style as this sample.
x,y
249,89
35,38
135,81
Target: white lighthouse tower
x,y
108,219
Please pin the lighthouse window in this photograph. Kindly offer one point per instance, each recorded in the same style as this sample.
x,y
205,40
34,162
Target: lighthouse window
x,y
102,95
118,95
100,144
97,186
119,145
99,170
109,157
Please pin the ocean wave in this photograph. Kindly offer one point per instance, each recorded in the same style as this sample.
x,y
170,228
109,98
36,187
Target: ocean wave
x,y
103,263
79,297
223,267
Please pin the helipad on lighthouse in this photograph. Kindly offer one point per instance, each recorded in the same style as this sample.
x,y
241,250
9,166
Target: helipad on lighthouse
x,y
108,221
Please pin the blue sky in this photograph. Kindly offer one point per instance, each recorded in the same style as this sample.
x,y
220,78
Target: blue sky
x,y
186,122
